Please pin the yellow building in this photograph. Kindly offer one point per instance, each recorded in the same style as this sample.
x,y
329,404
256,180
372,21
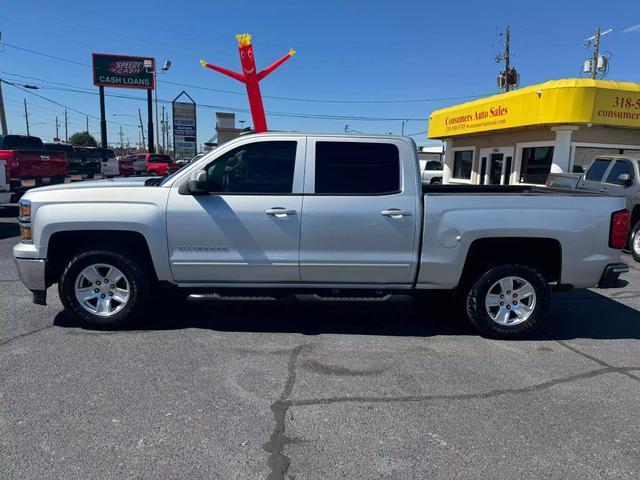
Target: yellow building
x,y
522,135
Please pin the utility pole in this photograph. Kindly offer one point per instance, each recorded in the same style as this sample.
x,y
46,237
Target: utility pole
x,y
66,127
507,53
3,117
121,145
596,52
141,129
591,66
164,146
87,123
509,77
26,116
57,129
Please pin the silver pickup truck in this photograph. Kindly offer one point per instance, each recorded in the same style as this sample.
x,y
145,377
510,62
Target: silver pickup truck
x,y
324,217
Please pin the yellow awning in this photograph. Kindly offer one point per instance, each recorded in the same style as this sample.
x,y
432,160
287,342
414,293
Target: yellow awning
x,y
557,102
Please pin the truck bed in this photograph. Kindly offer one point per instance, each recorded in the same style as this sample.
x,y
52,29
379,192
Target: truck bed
x,y
502,189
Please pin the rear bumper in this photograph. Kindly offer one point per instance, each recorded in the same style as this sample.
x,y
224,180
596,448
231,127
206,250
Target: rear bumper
x,y
611,274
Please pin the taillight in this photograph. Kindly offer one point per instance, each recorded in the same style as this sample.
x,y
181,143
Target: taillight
x,y
619,229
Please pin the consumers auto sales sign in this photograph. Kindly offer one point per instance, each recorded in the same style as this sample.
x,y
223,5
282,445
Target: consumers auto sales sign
x,y
123,71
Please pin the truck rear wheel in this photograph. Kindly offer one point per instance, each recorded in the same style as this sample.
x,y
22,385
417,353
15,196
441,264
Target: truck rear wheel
x,y
104,289
634,242
508,301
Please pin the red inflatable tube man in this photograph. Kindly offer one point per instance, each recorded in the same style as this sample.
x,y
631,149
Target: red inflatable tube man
x,y
251,78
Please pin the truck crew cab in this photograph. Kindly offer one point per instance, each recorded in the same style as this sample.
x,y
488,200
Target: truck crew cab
x,y
331,217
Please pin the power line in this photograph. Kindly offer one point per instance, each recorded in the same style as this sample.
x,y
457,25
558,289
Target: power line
x,y
58,103
226,107
42,54
273,97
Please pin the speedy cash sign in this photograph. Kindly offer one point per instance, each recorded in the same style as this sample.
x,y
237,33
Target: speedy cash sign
x,y
123,71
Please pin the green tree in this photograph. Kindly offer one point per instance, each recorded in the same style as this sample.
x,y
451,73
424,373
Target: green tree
x,y
84,139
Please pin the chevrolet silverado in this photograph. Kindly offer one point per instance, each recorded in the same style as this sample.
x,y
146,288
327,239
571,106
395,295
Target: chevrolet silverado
x,y
328,218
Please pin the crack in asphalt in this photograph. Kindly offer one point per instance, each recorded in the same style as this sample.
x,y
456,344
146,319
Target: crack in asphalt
x,y
597,360
278,461
22,335
461,396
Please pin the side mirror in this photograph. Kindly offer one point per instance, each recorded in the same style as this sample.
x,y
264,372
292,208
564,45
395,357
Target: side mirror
x,y
196,185
625,179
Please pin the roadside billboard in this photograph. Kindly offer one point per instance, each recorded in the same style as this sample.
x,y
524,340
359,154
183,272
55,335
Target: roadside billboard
x,y
123,71
185,143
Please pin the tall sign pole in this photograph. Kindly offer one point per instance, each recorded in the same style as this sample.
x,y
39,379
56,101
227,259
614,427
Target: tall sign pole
x,y
103,120
26,116
152,148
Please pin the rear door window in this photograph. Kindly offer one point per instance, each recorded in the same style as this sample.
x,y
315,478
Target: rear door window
x,y
357,168
597,170
620,167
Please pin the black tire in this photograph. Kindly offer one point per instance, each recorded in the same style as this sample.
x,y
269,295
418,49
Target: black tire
x,y
153,173
436,181
475,304
57,180
635,251
139,288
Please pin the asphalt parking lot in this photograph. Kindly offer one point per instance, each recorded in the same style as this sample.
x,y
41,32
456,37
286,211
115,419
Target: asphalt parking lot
x,y
358,392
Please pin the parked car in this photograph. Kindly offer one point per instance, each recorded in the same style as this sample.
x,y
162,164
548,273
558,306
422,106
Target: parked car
x,y
431,166
139,163
5,188
232,225
126,168
160,165
612,175
109,163
29,163
86,163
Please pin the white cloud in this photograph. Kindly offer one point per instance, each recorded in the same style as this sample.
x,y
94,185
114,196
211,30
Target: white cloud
x,y
633,28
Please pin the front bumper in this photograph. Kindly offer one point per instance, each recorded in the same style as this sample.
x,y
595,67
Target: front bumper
x,y
610,275
32,274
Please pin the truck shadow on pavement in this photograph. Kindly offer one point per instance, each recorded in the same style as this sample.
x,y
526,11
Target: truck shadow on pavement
x,y
576,314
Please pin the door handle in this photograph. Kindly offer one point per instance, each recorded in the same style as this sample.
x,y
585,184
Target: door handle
x,y
395,213
279,212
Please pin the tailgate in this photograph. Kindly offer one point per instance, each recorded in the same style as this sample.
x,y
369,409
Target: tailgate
x,y
41,164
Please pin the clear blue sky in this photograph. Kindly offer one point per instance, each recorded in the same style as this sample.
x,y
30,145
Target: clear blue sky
x,y
346,50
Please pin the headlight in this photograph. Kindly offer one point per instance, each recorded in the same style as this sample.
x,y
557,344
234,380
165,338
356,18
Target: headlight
x,y
24,219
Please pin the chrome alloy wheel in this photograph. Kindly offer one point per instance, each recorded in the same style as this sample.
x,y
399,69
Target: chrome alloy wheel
x,y
102,289
635,244
510,301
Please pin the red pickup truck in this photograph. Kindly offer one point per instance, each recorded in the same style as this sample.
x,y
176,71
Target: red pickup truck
x,y
161,165
29,163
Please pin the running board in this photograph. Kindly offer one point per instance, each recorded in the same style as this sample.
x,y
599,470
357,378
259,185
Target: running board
x,y
297,298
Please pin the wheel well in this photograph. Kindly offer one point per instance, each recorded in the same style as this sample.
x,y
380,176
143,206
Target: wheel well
x,y
64,245
543,254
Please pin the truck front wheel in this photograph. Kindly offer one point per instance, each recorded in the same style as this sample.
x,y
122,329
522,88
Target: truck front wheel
x,y
104,289
508,301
